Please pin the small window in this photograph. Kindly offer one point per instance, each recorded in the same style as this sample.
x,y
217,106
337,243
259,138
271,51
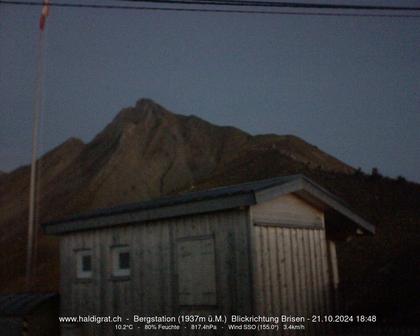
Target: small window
x,y
120,261
84,264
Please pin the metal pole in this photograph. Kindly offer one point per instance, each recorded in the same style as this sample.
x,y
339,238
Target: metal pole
x,y
32,184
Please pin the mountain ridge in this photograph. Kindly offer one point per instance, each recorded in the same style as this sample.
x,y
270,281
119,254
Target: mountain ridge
x,y
149,113
146,152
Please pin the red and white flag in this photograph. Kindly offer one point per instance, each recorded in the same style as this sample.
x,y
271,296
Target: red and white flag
x,y
44,14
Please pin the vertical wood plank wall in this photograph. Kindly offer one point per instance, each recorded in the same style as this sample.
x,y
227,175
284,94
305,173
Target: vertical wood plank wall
x,y
291,272
288,278
270,259
152,286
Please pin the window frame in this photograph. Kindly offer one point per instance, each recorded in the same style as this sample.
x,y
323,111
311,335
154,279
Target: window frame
x,y
80,273
116,270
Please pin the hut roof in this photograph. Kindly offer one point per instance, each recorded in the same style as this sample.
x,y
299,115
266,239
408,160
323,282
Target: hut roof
x,y
216,199
23,303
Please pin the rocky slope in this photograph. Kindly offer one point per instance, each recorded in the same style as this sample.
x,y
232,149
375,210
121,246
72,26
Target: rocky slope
x,y
145,152
148,151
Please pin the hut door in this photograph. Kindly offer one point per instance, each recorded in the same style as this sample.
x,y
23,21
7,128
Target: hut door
x,y
196,271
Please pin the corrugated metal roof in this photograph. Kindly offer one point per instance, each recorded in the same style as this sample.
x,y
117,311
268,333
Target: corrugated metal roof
x,y
23,303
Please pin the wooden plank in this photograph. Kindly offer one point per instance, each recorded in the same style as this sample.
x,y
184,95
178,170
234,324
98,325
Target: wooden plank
x,y
99,263
286,209
214,226
325,271
274,271
77,244
281,278
166,270
66,278
140,269
307,270
318,263
266,271
65,281
108,285
113,239
301,270
106,289
288,253
173,280
333,265
281,267
159,255
292,290
308,278
314,279
243,283
231,247
296,272
223,258
320,275
145,270
289,224
252,262
266,285
181,232
150,269
259,274
131,286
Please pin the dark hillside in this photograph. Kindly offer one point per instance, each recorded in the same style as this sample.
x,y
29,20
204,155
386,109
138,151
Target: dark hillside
x,y
379,273
148,151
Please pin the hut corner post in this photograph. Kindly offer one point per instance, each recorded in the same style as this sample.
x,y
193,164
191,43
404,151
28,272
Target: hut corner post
x,y
334,276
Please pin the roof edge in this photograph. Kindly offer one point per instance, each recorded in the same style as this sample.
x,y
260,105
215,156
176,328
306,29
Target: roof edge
x,y
145,215
225,198
336,204
302,183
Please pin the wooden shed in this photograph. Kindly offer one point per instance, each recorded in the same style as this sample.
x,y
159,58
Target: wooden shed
x,y
260,248
29,314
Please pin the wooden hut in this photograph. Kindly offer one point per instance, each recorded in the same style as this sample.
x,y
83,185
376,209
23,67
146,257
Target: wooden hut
x,y
261,248
29,314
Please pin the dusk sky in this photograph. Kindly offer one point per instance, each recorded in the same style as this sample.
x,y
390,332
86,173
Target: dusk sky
x,y
349,85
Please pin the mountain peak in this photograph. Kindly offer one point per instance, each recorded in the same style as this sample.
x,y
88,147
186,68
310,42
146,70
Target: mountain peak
x,y
144,108
146,104
73,141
